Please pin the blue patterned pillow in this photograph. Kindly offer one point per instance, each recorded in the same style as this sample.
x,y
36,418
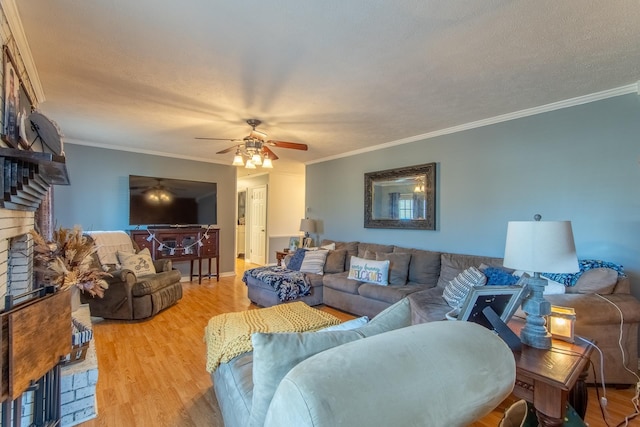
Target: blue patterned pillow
x,y
295,262
570,279
499,277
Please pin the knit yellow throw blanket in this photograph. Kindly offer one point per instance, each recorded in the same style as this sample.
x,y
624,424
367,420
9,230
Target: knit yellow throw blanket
x,y
229,335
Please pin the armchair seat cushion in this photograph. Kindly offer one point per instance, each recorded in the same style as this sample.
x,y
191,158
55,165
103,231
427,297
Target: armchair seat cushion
x,y
148,285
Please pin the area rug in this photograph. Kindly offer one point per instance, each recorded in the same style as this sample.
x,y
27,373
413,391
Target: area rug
x,y
229,335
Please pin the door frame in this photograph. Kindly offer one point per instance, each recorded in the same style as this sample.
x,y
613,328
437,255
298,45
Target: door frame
x,y
249,223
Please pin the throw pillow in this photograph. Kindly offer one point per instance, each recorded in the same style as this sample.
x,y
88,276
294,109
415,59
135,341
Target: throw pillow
x,y
348,325
330,246
296,260
365,270
335,261
399,266
313,261
458,289
499,276
275,354
141,263
596,281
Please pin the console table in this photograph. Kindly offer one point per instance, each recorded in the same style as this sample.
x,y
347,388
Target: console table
x,y
181,244
545,378
280,255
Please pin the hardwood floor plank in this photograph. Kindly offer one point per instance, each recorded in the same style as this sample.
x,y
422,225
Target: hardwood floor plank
x,y
152,373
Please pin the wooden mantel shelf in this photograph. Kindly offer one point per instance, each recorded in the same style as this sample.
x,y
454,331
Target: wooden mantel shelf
x,y
25,177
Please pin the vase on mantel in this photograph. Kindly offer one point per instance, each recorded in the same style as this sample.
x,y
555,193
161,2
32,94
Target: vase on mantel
x,y
75,298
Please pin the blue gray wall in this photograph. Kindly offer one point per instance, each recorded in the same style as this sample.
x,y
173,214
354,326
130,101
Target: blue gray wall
x,y
98,197
579,164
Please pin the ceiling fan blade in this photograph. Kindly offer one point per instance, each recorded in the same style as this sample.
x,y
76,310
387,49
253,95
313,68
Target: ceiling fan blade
x,y
218,139
272,155
227,150
285,144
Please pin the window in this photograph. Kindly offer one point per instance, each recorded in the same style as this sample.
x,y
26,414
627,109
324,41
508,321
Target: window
x,y
405,206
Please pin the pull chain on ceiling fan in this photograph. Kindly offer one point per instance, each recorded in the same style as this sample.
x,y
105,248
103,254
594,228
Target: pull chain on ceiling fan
x,y
255,148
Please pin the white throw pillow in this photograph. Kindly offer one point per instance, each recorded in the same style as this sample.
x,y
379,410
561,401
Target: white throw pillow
x,y
141,263
313,261
457,290
370,271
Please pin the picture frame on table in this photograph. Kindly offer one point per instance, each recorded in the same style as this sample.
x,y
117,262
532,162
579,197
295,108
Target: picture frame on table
x,y
503,300
294,243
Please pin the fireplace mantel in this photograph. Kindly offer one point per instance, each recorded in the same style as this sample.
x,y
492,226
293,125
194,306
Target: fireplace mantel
x,y
25,177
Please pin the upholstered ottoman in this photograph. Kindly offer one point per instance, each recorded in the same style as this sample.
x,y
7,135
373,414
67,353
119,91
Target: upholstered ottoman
x,y
264,295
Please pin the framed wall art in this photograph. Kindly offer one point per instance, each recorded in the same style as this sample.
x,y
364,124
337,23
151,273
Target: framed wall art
x,y
401,198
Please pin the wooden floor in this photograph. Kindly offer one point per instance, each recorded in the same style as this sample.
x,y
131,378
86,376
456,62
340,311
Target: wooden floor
x,y
152,373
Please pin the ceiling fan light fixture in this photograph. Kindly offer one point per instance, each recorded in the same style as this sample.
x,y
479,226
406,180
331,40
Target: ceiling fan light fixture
x,y
237,159
250,165
266,163
256,159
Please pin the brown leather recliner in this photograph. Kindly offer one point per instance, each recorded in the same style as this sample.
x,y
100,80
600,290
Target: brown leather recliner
x,y
130,297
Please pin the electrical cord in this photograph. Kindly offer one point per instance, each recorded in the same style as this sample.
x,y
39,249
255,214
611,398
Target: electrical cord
x,y
636,397
604,413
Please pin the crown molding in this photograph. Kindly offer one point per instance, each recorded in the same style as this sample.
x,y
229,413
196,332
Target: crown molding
x,y
572,102
15,25
142,151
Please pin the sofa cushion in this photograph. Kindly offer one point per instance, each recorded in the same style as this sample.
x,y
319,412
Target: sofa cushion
x,y
341,282
424,267
428,305
141,263
398,266
335,261
457,290
388,294
595,281
350,247
454,264
373,247
274,354
233,384
369,271
313,261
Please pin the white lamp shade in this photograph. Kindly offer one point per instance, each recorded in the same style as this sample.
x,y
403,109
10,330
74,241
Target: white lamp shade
x,y
541,246
267,163
237,160
308,225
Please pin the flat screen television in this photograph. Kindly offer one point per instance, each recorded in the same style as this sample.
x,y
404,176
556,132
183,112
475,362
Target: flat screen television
x,y
171,202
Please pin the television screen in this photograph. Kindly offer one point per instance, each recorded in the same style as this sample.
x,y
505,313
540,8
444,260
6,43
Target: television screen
x,y
165,201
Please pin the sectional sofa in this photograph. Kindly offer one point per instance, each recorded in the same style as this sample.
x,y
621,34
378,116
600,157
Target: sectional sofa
x,y
605,309
320,379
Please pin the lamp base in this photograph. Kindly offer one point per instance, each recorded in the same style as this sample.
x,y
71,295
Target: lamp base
x,y
534,333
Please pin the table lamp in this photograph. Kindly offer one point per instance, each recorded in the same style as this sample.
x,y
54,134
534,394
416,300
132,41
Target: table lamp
x,y
539,246
308,226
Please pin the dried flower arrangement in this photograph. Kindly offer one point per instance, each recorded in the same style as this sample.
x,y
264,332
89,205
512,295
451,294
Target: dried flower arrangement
x,y
67,260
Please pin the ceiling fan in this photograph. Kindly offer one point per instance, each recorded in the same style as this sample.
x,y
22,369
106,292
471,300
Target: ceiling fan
x,y
255,147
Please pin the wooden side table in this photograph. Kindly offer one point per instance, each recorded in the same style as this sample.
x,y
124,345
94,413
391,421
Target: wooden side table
x,y
280,255
545,378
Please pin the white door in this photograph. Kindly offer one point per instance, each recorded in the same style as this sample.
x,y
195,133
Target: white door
x,y
258,239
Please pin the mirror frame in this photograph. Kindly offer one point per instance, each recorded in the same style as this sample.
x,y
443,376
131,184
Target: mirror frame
x,y
428,171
